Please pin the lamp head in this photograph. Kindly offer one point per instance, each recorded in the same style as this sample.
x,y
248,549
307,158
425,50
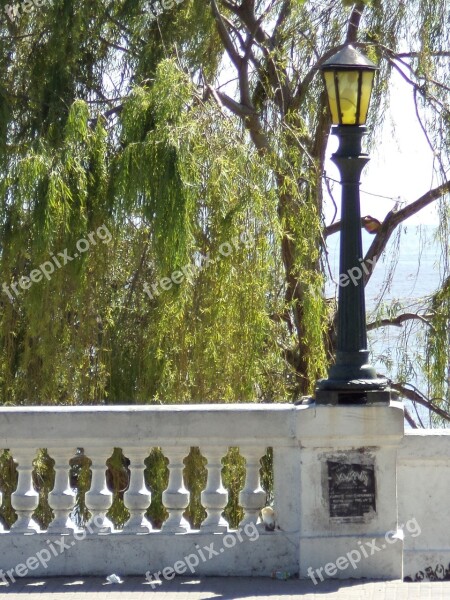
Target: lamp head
x,y
349,79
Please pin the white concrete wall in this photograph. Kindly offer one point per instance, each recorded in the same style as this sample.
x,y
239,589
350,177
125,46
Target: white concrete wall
x,y
424,500
411,476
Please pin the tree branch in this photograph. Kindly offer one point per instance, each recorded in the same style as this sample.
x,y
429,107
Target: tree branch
x,y
115,46
416,396
337,225
225,36
353,25
392,57
239,110
399,320
108,113
280,88
409,418
235,30
244,109
285,11
443,53
394,218
303,85
211,91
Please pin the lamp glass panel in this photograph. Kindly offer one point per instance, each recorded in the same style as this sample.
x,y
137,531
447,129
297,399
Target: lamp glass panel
x,y
366,91
348,96
331,93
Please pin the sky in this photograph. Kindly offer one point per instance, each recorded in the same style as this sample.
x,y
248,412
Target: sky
x,y
401,165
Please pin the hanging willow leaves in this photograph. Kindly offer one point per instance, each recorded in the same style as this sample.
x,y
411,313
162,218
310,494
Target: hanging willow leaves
x,y
178,135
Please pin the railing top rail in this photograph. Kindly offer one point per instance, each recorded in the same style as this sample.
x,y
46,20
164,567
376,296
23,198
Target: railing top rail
x,y
438,432
425,445
146,426
170,408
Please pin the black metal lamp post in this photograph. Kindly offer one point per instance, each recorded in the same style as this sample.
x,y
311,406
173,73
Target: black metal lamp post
x,y
351,380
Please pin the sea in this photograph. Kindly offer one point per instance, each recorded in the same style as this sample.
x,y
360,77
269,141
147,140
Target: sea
x,y
409,271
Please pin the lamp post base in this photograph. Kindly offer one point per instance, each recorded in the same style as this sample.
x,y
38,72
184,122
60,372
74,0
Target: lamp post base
x,y
353,380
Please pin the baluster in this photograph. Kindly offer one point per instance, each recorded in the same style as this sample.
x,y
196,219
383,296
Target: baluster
x,y
214,497
62,498
99,498
176,498
25,499
252,498
137,497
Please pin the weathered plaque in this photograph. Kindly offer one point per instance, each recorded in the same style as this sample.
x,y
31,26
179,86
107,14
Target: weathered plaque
x,y
351,489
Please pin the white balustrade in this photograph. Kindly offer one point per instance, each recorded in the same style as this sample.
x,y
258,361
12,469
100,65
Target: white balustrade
x,y
62,498
214,497
137,498
99,497
25,499
176,497
252,498
139,548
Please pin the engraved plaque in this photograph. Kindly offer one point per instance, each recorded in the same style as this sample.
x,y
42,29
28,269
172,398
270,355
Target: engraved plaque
x,y
351,489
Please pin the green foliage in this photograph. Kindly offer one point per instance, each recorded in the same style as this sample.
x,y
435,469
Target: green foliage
x,y
43,481
115,131
195,481
156,479
233,476
8,483
438,345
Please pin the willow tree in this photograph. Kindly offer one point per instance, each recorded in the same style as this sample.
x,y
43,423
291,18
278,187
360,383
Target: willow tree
x,y
179,127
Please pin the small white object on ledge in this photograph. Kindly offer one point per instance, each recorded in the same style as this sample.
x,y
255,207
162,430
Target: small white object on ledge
x,y
268,517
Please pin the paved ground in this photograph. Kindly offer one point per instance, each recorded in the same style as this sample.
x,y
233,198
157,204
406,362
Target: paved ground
x,y
135,588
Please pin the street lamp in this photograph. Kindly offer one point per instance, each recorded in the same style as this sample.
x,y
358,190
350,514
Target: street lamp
x,y
349,79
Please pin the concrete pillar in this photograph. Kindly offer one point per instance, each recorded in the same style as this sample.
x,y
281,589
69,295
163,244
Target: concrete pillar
x,y
99,497
348,491
137,498
176,497
62,498
214,497
252,498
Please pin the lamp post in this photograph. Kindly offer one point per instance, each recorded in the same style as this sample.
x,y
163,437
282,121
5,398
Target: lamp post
x,y
351,380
